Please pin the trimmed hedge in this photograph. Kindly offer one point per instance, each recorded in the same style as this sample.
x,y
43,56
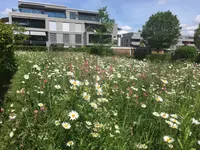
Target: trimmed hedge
x,y
30,48
159,57
101,51
185,53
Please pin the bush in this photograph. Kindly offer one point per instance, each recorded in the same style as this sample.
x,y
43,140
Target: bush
x,y
101,50
185,53
30,48
197,60
8,65
159,57
141,53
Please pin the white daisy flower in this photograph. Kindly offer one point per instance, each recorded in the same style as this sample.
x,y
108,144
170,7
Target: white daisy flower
x,y
94,105
57,87
70,143
57,122
158,98
73,115
66,125
12,116
95,134
40,104
164,115
11,134
156,114
26,76
86,96
168,139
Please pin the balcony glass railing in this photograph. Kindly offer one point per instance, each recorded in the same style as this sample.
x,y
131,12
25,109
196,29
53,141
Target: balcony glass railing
x,y
55,14
88,17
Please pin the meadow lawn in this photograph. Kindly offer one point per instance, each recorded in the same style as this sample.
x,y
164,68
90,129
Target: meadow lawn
x,y
60,101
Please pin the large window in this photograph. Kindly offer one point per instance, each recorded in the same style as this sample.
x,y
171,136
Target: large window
x,y
88,17
78,38
72,15
30,23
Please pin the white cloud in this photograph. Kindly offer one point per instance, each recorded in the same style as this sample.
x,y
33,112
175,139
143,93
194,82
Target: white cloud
x,y
162,1
126,28
6,11
122,32
188,30
197,19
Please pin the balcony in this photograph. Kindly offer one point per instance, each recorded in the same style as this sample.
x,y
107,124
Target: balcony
x,y
50,13
88,17
29,23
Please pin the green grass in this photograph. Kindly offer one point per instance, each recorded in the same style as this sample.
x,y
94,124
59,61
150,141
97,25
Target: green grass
x,y
115,115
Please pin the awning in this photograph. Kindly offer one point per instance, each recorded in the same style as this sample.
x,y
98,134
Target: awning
x,y
26,32
38,33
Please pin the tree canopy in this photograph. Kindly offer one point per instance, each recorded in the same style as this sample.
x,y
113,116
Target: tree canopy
x,y
197,37
162,30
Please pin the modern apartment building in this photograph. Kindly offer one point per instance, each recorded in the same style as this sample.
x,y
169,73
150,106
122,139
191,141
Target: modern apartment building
x,y
48,24
134,39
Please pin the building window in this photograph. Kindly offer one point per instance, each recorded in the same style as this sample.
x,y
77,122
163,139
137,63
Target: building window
x,y
72,15
66,27
53,38
66,38
78,28
52,26
30,23
135,40
78,39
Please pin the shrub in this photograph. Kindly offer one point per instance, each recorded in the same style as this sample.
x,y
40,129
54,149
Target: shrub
x,y
159,57
8,65
56,47
101,50
185,53
141,53
30,48
197,60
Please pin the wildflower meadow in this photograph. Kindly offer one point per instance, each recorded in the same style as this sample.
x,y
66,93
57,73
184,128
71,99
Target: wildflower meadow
x,y
61,101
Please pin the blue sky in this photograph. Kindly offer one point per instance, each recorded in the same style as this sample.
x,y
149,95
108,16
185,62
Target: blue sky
x,y
130,15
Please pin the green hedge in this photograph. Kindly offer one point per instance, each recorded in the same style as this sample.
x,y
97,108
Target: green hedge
x,y
30,48
101,50
197,60
159,57
185,53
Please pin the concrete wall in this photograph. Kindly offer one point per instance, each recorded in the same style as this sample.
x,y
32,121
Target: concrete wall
x,y
123,51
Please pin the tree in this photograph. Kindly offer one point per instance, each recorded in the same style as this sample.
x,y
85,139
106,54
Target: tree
x,y
162,30
106,26
197,37
10,35
103,34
